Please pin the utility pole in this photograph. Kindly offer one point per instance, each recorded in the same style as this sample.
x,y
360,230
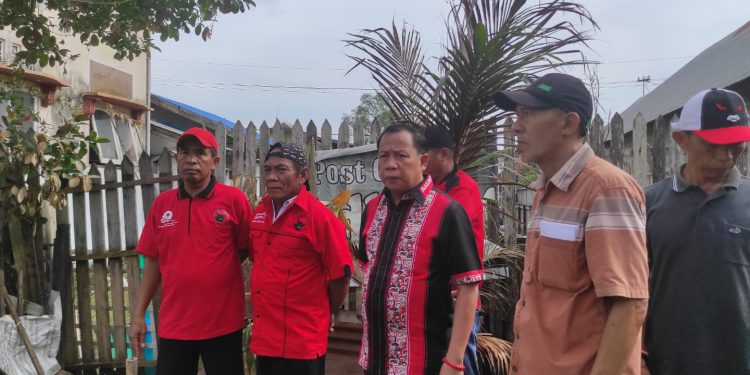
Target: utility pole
x,y
644,80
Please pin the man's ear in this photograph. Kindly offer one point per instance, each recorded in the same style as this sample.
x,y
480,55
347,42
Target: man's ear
x,y
423,159
572,124
681,138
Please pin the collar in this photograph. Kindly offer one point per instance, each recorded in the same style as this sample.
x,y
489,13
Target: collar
x,y
284,207
679,184
301,200
450,174
205,193
418,193
569,171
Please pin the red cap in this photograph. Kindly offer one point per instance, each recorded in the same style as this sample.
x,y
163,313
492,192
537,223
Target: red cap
x,y
204,137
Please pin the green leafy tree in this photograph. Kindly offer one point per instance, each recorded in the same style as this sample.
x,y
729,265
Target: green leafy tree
x,y
370,107
128,26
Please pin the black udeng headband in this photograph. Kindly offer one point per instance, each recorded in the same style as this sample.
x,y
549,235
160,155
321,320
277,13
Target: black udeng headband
x,y
289,151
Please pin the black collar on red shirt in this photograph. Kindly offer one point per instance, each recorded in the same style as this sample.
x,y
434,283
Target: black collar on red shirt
x,y
418,193
205,193
451,180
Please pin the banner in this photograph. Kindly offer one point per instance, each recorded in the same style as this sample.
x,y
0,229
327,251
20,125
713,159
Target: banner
x,y
355,169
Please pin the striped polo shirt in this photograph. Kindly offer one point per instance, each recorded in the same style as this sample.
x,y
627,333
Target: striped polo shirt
x,y
586,240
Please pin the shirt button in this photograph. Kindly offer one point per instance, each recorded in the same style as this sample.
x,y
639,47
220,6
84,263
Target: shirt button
x,y
514,368
257,315
268,243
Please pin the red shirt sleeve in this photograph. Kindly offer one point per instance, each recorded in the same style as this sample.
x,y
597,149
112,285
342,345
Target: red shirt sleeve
x,y
472,204
244,215
147,241
333,246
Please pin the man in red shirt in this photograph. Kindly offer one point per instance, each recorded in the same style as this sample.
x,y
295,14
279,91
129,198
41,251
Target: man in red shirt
x,y
449,179
301,269
190,243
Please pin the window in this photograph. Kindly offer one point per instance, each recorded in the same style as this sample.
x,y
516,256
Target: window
x,y
14,50
120,135
29,107
2,51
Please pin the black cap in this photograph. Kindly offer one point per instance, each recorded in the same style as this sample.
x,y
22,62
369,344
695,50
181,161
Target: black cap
x,y
554,90
437,137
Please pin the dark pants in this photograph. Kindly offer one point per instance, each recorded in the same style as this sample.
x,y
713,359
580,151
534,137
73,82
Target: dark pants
x,y
470,357
221,355
287,366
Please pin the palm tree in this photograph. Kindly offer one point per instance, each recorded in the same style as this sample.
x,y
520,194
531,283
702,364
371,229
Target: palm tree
x,y
492,45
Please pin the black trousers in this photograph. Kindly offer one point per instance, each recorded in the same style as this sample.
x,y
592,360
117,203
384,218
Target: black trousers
x,y
221,356
286,366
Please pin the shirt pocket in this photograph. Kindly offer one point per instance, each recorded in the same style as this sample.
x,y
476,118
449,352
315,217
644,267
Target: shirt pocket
x,y
558,255
736,246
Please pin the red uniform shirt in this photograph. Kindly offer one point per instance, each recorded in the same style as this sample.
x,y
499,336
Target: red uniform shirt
x,y
195,242
293,260
464,190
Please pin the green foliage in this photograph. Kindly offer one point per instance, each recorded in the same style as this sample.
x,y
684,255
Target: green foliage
x,y
128,26
370,107
34,164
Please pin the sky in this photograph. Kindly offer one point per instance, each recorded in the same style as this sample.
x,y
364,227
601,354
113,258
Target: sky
x,y
288,60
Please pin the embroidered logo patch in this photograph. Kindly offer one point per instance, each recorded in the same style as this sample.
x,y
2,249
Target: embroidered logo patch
x,y
167,219
221,215
544,87
733,118
260,217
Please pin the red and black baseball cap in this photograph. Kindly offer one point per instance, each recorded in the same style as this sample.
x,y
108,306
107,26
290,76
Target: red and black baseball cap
x,y
204,137
553,90
718,116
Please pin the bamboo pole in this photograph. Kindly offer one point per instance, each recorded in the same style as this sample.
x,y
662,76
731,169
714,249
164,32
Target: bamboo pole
x,y
22,332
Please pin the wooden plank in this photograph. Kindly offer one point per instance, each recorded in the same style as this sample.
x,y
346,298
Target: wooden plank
x,y
83,287
311,135
617,150
343,136
116,364
277,132
359,133
251,150
146,169
298,134
101,288
165,170
640,151
157,180
510,198
134,285
62,276
310,145
115,264
238,150
660,149
677,155
221,169
264,140
596,138
375,130
119,254
326,136
129,205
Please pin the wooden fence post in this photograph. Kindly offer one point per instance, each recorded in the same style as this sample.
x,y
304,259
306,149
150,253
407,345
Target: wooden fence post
x,y
277,133
62,276
677,157
264,140
131,234
660,151
251,150
596,138
116,265
221,169
343,136
359,134
640,150
617,150
83,286
374,131
298,134
326,136
238,150
101,287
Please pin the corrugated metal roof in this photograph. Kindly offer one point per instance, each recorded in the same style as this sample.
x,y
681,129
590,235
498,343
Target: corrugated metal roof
x,y
198,111
721,65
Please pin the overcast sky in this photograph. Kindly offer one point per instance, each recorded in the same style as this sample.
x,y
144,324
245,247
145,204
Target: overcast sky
x,y
286,58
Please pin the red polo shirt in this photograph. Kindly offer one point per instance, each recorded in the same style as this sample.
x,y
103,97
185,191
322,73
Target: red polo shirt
x,y
293,260
195,241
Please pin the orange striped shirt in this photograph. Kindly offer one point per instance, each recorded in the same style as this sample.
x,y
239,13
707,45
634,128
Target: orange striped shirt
x,y
586,240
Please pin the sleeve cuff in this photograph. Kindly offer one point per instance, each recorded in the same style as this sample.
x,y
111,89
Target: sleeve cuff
x,y
471,277
618,291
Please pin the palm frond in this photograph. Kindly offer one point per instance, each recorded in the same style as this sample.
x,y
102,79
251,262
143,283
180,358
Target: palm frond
x,y
492,45
502,265
493,355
